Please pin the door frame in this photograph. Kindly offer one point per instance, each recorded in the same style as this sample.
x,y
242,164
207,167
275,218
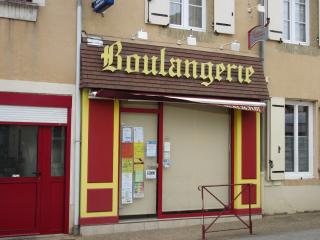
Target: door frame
x,y
159,113
42,100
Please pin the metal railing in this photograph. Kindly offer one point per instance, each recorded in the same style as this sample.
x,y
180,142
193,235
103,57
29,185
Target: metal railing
x,y
227,208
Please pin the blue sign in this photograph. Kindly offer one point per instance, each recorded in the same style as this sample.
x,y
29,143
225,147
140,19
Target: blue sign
x,y
100,6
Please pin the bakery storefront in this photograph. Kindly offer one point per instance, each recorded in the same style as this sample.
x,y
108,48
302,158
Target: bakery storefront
x,y
157,122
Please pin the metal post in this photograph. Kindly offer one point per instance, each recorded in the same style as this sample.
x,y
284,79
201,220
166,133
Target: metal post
x,y
203,226
250,222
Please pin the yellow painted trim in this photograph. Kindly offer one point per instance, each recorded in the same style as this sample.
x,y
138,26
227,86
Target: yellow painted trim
x,y
116,124
238,161
258,146
84,151
99,185
237,155
84,162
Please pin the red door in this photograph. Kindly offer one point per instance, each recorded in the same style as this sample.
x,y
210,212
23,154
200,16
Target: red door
x,y
32,180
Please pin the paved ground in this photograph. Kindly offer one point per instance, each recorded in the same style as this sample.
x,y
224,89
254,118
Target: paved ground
x,y
304,226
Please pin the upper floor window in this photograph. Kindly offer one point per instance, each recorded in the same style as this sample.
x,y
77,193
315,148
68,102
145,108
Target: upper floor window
x,y
296,21
298,140
188,14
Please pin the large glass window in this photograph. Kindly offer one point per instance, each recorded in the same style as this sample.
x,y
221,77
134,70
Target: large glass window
x,y
187,14
296,23
298,140
18,151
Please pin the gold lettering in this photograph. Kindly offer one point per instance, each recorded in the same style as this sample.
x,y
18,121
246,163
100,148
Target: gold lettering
x,y
108,56
136,59
187,64
249,73
162,71
220,68
153,70
230,67
240,71
205,76
175,67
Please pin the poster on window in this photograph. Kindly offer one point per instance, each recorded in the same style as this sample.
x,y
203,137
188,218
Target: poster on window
x,y
126,135
138,190
138,134
126,188
138,173
151,149
138,152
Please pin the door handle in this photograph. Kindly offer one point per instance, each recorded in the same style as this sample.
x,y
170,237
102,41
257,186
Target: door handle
x,y
279,149
38,174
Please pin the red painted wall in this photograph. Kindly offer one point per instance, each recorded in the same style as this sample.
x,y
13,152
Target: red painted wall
x,y
99,200
249,165
100,147
253,194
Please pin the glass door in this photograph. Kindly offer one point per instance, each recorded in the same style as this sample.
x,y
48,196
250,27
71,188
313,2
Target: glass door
x,y
138,168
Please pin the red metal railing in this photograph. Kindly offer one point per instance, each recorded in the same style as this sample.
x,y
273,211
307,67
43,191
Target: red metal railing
x,y
226,207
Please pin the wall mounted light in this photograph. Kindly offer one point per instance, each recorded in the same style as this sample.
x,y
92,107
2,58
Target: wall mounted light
x,y
234,46
140,35
93,93
190,40
94,41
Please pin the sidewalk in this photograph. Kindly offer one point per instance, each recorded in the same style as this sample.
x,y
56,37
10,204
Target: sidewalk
x,y
304,226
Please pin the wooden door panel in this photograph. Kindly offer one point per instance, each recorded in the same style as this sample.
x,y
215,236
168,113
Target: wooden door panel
x,y
17,207
57,206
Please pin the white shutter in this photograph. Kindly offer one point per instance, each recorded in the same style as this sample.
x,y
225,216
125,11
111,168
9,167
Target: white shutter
x,y
28,114
276,161
157,12
275,13
224,16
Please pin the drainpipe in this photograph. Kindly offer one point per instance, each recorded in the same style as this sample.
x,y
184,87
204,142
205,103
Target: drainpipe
x,y
263,114
76,229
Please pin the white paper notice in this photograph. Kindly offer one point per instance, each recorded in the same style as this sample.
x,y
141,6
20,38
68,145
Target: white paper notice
x,y
138,134
151,174
126,188
151,148
166,147
127,135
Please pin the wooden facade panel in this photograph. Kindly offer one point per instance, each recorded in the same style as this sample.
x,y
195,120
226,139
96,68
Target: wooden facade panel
x,y
92,75
249,150
99,200
164,91
253,194
100,146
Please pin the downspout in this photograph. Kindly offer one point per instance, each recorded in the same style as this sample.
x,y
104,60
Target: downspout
x,y
76,229
263,129
263,115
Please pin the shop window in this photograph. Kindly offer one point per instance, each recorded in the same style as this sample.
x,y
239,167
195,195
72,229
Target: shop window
x,y
18,151
298,140
188,14
296,21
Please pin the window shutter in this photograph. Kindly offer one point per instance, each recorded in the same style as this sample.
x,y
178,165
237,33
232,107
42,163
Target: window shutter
x,y
29,114
276,163
275,13
224,16
157,12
